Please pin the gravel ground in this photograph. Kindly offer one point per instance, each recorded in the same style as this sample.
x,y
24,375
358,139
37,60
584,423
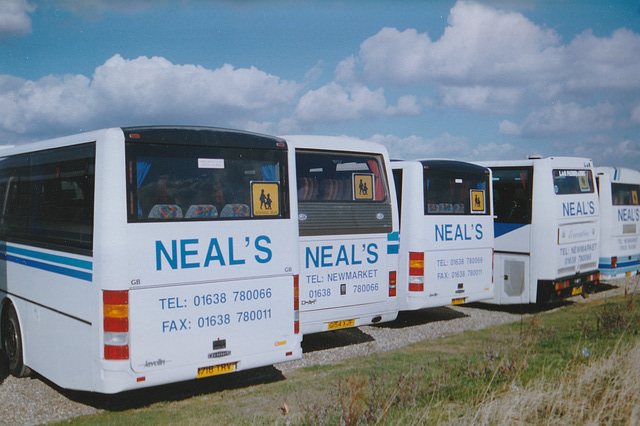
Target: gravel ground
x,y
34,400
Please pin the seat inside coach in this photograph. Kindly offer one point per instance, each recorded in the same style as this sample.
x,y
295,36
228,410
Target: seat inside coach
x,y
165,211
312,189
170,198
202,211
444,208
235,210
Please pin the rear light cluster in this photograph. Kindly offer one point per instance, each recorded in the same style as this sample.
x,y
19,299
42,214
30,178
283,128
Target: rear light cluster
x,y
614,261
296,304
592,278
116,324
416,271
392,283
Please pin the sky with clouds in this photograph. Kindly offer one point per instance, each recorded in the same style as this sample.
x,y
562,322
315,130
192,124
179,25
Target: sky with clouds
x,y
469,80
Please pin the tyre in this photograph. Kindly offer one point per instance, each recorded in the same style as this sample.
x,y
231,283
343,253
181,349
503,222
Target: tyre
x,y
12,342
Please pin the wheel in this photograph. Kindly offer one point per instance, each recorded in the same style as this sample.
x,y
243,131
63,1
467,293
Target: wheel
x,y
12,342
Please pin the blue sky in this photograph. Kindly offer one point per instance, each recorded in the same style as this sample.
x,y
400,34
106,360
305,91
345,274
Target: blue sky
x,y
493,79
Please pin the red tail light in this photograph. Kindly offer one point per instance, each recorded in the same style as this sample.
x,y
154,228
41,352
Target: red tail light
x,y
416,286
116,352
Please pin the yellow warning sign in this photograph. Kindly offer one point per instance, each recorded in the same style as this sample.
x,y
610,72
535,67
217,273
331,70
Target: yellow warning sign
x,y
363,188
634,197
583,181
265,199
477,201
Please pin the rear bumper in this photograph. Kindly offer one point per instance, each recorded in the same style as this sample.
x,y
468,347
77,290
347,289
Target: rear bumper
x,y
561,288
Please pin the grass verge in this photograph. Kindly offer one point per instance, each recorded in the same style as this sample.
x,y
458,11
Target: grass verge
x,y
574,365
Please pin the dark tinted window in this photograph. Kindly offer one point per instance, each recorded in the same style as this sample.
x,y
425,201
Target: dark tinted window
x,y
455,192
624,194
48,198
512,189
572,181
336,176
190,183
397,179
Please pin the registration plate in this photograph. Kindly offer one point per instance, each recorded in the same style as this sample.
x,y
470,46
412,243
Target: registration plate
x,y
458,301
214,370
576,290
341,324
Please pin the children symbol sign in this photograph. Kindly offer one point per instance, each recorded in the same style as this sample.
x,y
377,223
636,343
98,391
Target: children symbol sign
x,y
265,199
363,188
477,201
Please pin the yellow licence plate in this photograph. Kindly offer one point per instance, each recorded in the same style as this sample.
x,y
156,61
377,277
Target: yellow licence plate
x,y
341,324
214,370
576,290
458,301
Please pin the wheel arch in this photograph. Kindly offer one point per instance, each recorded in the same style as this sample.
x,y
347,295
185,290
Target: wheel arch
x,y
7,303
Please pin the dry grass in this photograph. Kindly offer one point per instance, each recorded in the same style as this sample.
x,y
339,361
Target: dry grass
x,y
606,391
544,375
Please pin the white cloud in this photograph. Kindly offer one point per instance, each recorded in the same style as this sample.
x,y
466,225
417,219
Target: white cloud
x,y
489,45
604,63
333,103
28,106
446,146
493,60
314,73
480,45
416,147
626,151
407,105
509,128
156,85
568,118
481,98
607,152
143,90
493,151
14,17
394,57
346,70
